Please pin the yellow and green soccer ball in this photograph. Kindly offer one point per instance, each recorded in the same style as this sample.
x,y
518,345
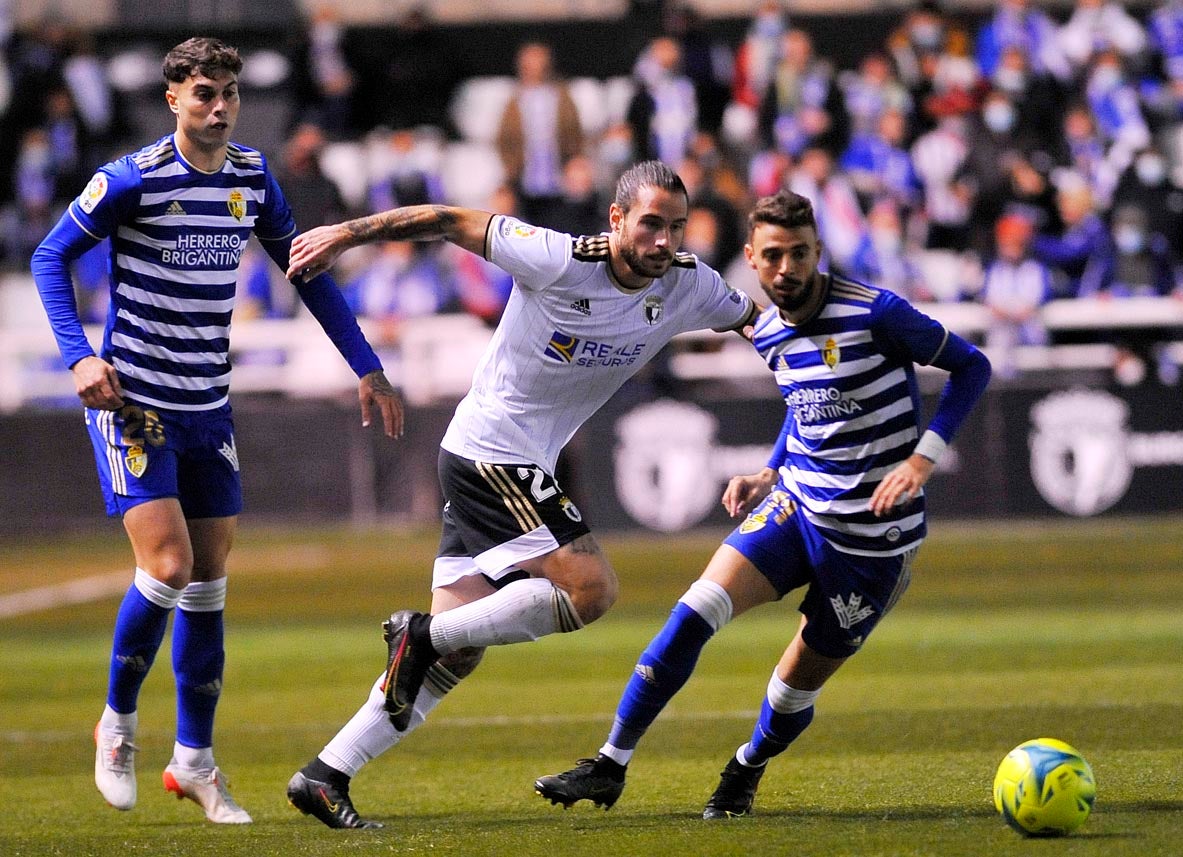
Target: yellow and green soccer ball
x,y
1044,788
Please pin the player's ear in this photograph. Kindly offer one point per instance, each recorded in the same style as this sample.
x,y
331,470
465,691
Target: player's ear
x,y
170,96
615,216
749,253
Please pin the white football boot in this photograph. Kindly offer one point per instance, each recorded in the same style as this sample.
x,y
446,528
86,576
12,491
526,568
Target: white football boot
x,y
206,787
115,767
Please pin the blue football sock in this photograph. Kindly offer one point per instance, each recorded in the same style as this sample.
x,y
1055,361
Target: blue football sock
x,y
774,732
139,629
661,671
198,659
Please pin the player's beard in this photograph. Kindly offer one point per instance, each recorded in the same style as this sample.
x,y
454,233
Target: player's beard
x,y
642,266
791,302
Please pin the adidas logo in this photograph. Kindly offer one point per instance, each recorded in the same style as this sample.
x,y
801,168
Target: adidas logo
x,y
175,210
135,662
646,672
582,306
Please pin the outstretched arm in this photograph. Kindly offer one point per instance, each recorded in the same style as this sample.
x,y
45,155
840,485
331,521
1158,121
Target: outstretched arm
x,y
316,250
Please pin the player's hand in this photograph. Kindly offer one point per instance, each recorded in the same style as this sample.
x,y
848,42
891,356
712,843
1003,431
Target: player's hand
x,y
901,486
315,251
373,389
743,492
97,384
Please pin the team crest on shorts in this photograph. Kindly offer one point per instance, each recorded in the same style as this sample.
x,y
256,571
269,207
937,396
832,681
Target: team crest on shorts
x,y
753,522
136,461
237,204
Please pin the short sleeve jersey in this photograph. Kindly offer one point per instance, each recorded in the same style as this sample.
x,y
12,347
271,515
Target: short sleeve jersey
x,y
570,337
848,378
177,236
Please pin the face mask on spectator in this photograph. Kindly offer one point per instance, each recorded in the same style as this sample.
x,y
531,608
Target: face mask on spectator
x,y
1150,169
926,35
886,241
1105,77
1010,80
999,117
1129,239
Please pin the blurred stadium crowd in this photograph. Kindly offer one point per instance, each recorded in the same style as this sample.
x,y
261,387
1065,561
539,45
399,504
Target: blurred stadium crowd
x,y
1024,156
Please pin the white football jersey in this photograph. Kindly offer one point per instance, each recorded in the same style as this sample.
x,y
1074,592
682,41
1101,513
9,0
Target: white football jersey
x,y
570,337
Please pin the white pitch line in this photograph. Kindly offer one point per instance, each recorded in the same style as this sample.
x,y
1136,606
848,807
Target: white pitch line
x,y
504,720
79,591
98,586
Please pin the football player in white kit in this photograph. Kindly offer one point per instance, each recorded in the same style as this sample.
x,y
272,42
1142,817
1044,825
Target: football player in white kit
x,y
516,560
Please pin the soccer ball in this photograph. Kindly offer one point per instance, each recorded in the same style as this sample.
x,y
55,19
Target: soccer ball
x,y
1044,788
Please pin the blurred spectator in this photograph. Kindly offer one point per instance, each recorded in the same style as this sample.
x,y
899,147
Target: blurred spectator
x,y
404,280
1083,254
1038,98
538,134
1014,288
1016,24
706,60
663,114
1098,25
1082,150
85,76
579,210
325,79
803,106
702,236
878,165
870,91
420,76
996,146
1165,31
67,139
407,172
840,222
883,259
938,157
482,288
727,237
1146,184
757,57
1143,264
955,68
917,43
1116,110
29,219
314,199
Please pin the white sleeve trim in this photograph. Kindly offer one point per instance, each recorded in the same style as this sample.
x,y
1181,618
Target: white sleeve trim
x,y
931,446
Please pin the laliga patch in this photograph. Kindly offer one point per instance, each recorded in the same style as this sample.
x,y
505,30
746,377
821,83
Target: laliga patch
x,y
136,461
93,194
523,230
237,204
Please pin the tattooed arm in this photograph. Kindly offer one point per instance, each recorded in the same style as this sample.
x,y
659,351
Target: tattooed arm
x,y
316,250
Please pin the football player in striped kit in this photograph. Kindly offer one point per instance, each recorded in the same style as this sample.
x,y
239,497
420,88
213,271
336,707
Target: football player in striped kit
x,y
516,559
840,507
178,214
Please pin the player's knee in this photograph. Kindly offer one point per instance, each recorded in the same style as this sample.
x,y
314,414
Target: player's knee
x,y
171,570
596,595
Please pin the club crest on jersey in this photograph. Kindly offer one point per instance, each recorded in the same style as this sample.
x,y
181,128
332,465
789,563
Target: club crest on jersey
x,y
95,190
237,204
652,309
831,353
561,347
136,461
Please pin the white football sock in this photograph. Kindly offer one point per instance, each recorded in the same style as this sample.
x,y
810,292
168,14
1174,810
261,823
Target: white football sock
x,y
520,612
196,758
121,724
369,733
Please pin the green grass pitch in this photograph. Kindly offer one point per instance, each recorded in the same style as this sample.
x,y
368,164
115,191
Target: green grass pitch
x,y
1010,631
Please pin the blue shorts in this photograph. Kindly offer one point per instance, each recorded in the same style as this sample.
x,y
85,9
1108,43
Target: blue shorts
x,y
144,454
848,594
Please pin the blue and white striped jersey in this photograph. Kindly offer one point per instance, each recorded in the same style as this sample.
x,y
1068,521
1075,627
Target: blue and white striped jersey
x,y
177,235
847,376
